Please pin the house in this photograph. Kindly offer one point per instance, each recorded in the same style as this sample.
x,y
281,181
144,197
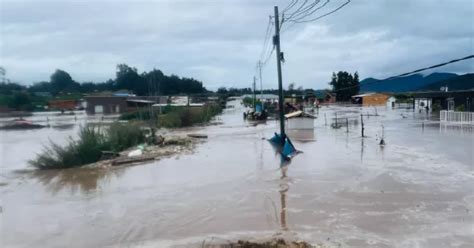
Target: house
x,y
264,97
63,104
325,97
113,104
371,99
445,100
106,104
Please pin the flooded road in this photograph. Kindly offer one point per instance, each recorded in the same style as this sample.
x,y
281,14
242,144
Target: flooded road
x,y
417,191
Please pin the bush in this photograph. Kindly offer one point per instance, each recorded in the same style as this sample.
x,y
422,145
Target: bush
x,y
460,108
142,114
89,146
188,116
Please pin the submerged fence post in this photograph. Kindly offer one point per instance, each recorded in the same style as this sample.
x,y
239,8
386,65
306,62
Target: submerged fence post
x,y
325,120
347,124
362,126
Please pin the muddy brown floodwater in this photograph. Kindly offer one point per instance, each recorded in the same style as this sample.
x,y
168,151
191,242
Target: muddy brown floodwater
x,y
342,191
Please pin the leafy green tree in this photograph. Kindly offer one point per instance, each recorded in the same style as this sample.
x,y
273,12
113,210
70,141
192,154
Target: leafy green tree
x,y
61,81
345,85
128,78
222,90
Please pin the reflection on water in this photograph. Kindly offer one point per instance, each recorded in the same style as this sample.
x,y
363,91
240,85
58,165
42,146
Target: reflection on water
x,y
75,179
284,187
302,135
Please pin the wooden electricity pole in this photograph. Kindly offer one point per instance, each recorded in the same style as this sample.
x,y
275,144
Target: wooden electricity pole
x,y
276,42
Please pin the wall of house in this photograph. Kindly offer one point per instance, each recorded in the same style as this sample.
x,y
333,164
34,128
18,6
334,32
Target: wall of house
x,y
375,99
106,105
62,104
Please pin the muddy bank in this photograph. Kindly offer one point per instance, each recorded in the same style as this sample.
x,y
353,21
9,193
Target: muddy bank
x,y
274,243
166,147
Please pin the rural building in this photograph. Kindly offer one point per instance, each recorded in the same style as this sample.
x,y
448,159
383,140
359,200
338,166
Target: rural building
x,y
106,104
371,99
118,104
264,97
325,97
299,120
62,104
451,100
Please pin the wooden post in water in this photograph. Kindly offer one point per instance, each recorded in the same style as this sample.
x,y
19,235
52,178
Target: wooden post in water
x,y
362,126
347,124
325,120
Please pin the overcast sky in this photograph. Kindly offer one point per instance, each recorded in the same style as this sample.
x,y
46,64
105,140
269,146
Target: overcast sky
x,y
220,41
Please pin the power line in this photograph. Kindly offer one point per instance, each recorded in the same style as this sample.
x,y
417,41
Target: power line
x,y
296,11
311,12
308,10
409,73
322,16
290,5
268,57
267,36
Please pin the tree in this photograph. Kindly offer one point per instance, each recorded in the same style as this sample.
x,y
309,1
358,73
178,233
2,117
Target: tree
x,y
222,90
127,78
291,88
62,81
345,85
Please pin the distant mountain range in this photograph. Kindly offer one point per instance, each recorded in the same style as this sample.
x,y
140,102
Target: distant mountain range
x,y
418,82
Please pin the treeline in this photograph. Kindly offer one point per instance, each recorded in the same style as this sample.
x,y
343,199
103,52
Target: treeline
x,y
61,85
127,78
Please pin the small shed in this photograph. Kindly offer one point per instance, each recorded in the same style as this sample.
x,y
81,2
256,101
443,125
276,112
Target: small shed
x,y
299,120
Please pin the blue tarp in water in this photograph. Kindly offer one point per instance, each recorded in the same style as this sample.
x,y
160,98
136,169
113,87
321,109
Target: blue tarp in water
x,y
258,108
287,148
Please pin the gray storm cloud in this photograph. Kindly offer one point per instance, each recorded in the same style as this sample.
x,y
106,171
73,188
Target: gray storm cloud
x,y
219,42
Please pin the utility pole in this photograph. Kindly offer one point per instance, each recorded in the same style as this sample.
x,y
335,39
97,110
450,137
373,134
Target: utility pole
x,y
261,84
254,100
276,42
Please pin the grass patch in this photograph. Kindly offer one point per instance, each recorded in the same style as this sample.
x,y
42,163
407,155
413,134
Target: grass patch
x,y
89,146
173,117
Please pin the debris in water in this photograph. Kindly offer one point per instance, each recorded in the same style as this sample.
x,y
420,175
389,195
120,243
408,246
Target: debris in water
x,y
197,136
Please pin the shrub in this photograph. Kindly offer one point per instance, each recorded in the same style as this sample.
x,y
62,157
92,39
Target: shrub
x,y
460,108
188,116
89,146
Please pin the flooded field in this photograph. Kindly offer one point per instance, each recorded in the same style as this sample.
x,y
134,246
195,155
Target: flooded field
x,y
342,191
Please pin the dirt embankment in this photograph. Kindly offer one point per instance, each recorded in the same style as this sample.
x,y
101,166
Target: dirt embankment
x,y
165,147
274,243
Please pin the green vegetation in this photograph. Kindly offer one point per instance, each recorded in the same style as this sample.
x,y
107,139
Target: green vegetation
x,y
62,86
403,98
460,108
173,117
248,101
436,107
345,85
89,146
